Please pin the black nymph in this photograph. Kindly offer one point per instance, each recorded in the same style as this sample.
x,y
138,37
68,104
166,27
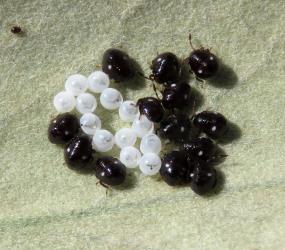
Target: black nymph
x,y
110,171
166,68
175,168
176,127
118,65
78,152
203,178
202,148
63,128
151,108
213,124
202,62
176,95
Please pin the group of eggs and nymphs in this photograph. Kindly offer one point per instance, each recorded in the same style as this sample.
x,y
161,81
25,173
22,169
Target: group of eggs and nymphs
x,y
192,164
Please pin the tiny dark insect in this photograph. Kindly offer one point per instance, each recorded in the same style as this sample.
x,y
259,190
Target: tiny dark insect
x,y
203,178
78,152
176,127
16,30
200,148
166,68
63,128
175,168
118,65
211,123
151,108
110,171
203,63
176,95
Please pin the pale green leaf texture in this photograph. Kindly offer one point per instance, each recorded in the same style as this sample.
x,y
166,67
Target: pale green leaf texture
x,y
45,205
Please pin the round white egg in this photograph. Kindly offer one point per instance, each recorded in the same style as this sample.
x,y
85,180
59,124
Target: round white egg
x,y
142,126
64,102
76,84
98,81
130,157
125,137
86,103
128,111
111,99
90,123
150,143
103,140
150,164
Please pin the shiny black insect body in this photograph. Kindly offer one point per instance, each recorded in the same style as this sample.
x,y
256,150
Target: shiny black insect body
x,y
151,108
176,95
78,152
118,65
175,168
202,62
176,128
213,124
110,171
166,68
63,128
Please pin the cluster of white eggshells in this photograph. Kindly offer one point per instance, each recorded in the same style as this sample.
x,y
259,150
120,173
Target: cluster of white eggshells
x,y
75,96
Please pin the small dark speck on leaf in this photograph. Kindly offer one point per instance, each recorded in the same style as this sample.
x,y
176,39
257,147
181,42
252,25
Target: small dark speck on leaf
x,y
16,30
